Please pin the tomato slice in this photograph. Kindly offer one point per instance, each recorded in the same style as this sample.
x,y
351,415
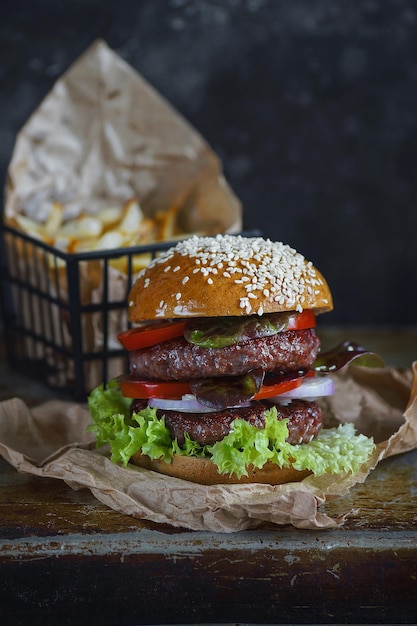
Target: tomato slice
x,y
151,334
305,319
174,390
269,391
135,388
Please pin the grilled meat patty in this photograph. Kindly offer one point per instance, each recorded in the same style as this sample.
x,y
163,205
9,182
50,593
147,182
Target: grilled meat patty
x,y
305,421
179,360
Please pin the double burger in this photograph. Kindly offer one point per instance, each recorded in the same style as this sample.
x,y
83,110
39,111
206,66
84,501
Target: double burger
x,y
226,374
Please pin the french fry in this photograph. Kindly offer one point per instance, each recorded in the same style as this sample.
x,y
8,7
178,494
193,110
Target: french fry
x,y
167,222
110,216
111,240
29,226
54,222
139,262
111,228
132,217
85,227
147,231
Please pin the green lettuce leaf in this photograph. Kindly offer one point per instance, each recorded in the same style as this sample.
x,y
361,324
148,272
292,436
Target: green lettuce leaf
x,y
104,403
334,451
126,433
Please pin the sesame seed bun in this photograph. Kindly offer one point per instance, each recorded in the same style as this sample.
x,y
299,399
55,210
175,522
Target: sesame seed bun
x,y
204,471
227,275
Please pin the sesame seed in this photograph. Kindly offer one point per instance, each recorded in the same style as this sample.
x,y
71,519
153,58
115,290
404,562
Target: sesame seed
x,y
268,270
178,296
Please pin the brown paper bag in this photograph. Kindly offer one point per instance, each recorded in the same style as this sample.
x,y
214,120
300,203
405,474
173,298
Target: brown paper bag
x,y
52,440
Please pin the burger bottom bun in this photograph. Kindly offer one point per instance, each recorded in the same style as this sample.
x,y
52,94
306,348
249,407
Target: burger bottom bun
x,y
204,471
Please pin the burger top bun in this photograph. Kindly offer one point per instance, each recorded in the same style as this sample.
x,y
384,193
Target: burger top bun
x,y
227,275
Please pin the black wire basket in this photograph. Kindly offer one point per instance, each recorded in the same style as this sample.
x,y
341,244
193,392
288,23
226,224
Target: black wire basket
x,y
62,311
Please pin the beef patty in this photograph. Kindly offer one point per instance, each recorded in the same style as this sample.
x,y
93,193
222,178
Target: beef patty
x,y
179,360
304,421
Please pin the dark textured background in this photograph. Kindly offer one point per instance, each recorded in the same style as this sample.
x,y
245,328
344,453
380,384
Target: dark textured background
x,y
311,106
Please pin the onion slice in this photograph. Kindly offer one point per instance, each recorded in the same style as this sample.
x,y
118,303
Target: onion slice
x,y
187,404
310,389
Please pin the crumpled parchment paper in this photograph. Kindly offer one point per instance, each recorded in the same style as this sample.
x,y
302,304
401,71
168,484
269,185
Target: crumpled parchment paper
x,y
52,440
102,135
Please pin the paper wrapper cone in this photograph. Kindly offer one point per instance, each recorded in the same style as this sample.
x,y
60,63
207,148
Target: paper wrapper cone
x,y
52,441
102,136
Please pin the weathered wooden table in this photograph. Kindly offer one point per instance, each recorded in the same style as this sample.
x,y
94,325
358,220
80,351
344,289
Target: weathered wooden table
x,y
67,559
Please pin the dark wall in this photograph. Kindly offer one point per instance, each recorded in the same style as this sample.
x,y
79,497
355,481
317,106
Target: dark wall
x,y
311,106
